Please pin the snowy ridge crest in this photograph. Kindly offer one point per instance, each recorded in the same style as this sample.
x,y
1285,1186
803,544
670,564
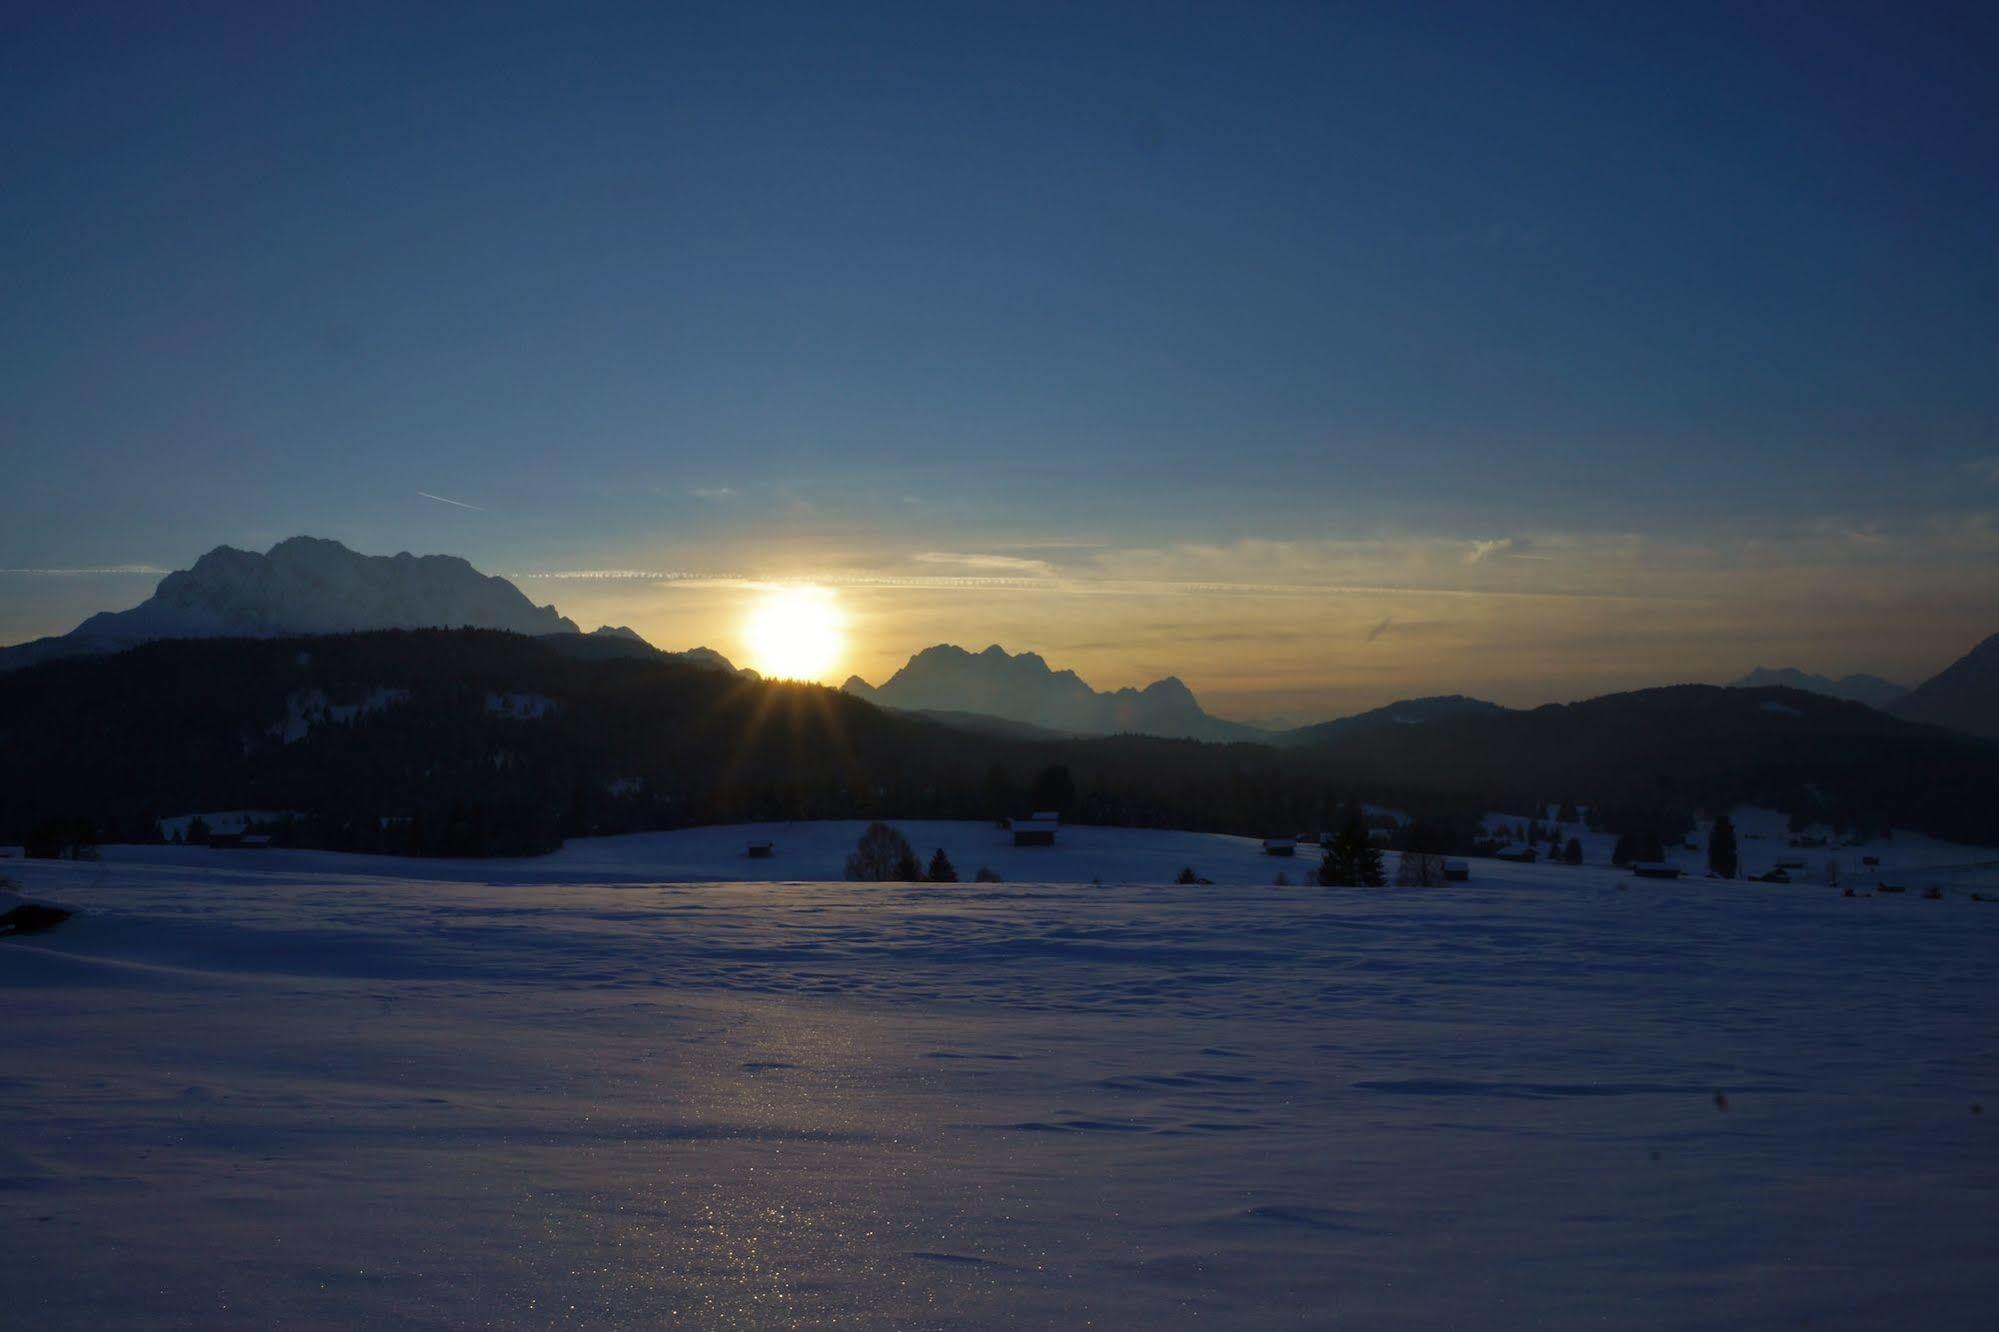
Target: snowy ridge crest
x,y
307,585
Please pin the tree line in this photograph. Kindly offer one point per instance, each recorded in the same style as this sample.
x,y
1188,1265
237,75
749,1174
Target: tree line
x,y
116,743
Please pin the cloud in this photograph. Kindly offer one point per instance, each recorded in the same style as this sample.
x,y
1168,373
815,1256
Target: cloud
x,y
715,494
456,504
1987,468
1481,551
91,571
1380,629
610,575
1003,563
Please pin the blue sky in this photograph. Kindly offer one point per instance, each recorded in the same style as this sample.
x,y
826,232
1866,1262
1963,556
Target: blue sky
x,y
1695,304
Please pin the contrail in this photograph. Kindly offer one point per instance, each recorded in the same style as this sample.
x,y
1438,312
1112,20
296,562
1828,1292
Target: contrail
x,y
457,503
104,569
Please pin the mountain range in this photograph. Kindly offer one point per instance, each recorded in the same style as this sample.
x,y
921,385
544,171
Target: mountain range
x,y
1408,712
1872,690
472,741
309,585
1963,697
1022,696
947,680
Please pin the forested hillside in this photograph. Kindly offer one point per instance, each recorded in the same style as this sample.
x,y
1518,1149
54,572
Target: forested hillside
x,y
478,741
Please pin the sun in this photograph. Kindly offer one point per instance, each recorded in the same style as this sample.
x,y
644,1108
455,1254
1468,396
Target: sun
x,y
795,633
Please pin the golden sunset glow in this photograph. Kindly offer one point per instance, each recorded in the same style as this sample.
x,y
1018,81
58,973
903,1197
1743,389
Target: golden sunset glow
x,y
795,633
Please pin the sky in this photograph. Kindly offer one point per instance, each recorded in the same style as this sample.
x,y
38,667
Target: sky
x,y
1320,355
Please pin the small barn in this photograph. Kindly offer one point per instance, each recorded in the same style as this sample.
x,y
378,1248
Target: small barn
x,y
1048,816
1655,869
1280,846
760,850
1456,871
1037,831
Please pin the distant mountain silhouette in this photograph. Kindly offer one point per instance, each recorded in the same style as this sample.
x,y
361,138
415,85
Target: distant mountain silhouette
x,y
1407,712
1964,696
610,643
1872,690
309,585
1699,746
627,743
979,723
996,684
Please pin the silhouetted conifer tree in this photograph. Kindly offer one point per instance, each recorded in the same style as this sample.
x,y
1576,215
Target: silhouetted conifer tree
x,y
1352,860
999,796
1722,856
1054,789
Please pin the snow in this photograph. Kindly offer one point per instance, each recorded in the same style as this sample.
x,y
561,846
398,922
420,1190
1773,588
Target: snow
x,y
521,706
1763,839
224,820
307,708
297,1087
311,585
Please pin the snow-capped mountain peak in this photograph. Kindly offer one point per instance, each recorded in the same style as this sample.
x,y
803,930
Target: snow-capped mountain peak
x,y
311,585
1024,688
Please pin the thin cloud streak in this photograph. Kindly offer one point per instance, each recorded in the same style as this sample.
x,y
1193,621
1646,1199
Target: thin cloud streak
x,y
456,504
1161,586
92,571
1013,563
1512,548
609,575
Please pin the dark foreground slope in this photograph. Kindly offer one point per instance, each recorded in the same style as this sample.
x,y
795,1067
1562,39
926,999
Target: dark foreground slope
x,y
1964,696
477,741
1685,747
471,741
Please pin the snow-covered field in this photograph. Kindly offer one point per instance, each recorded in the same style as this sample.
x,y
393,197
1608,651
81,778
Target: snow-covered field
x,y
1764,839
252,1088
